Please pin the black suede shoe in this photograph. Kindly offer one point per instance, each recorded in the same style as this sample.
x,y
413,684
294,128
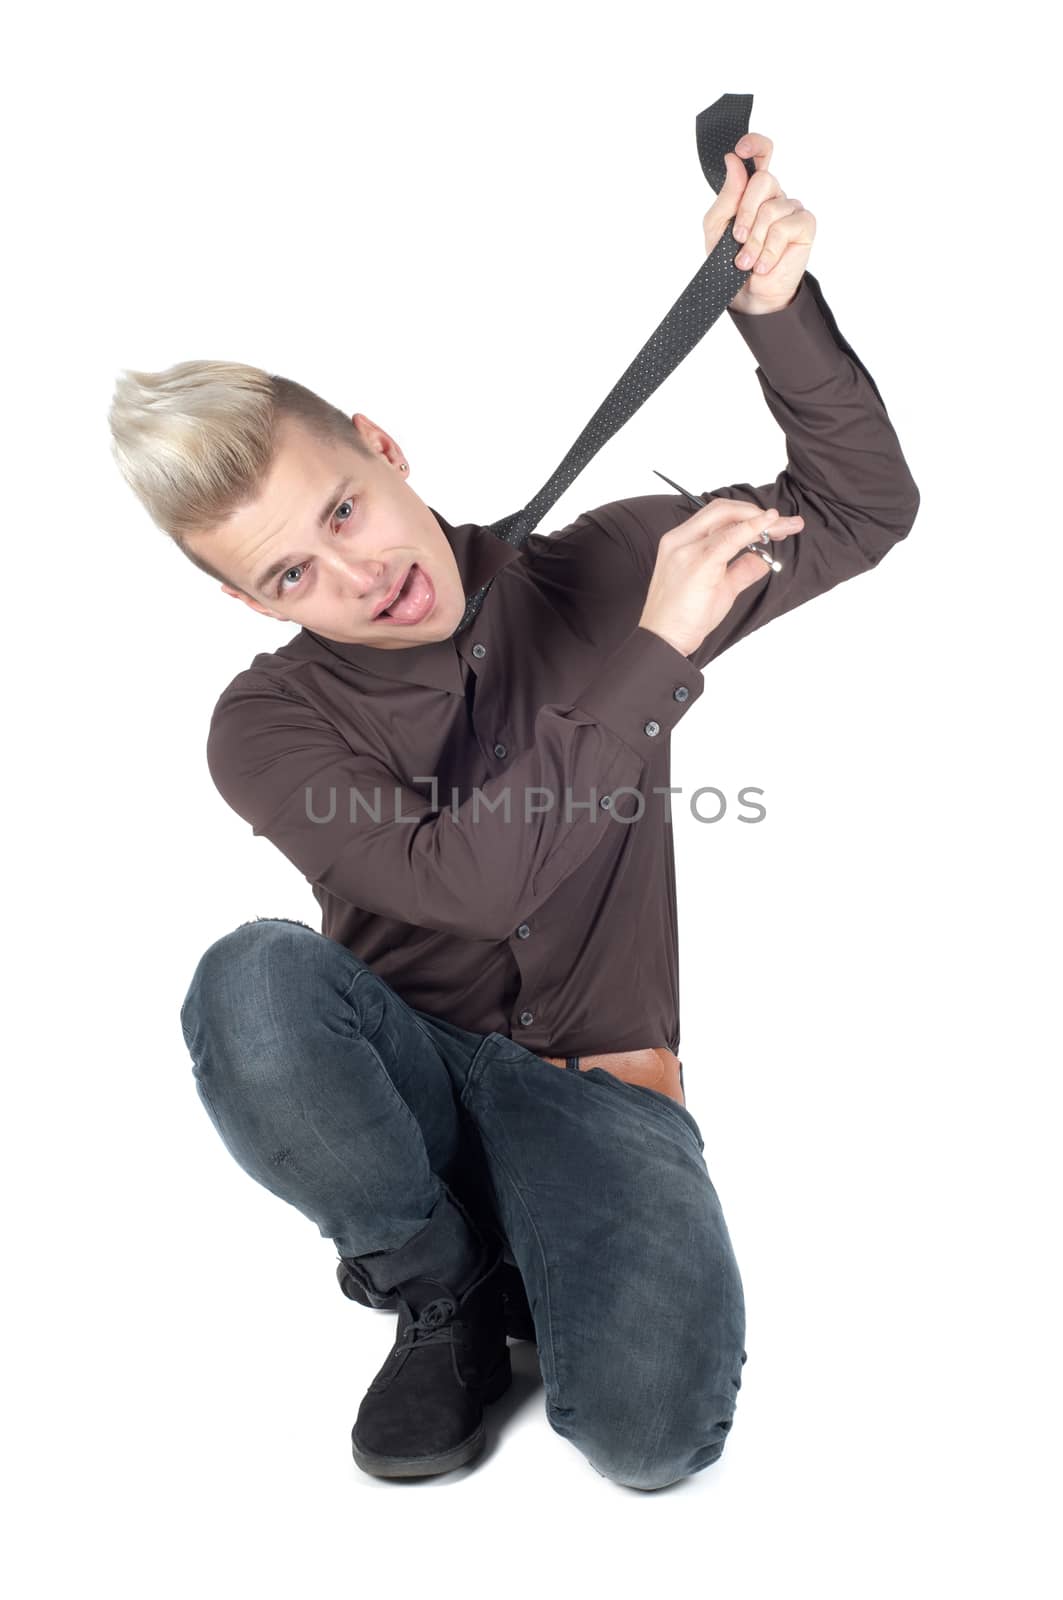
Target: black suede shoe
x,y
515,1308
423,1412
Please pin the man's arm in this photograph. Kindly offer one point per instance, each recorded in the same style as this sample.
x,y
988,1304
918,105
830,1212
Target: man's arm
x,y
467,870
845,473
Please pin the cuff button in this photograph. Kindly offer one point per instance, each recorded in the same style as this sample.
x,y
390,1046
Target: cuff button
x,y
652,728
682,693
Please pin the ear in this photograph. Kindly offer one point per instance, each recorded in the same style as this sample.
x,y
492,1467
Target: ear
x,y
375,439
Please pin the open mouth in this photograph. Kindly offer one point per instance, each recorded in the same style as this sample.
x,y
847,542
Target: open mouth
x,y
414,600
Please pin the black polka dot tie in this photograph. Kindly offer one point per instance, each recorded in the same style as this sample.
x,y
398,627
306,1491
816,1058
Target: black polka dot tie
x,y
708,294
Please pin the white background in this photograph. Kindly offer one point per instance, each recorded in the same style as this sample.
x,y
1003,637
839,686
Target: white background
x,y
465,222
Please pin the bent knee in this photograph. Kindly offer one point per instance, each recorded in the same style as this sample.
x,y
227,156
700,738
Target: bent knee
x,y
654,1460
241,974
660,1474
646,1434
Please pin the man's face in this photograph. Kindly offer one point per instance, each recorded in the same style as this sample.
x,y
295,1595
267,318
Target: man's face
x,y
332,575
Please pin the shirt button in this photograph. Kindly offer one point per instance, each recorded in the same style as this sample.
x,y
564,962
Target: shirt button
x,y
682,693
527,1017
606,801
479,651
523,931
500,751
651,728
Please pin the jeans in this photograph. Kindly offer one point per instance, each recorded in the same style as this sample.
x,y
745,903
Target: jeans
x,y
362,1112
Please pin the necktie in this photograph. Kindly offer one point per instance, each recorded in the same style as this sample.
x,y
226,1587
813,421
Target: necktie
x,y
708,294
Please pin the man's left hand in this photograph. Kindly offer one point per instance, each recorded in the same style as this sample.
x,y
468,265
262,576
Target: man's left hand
x,y
778,231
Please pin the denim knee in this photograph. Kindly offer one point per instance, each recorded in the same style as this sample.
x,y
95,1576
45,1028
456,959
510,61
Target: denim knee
x,y
621,1452
236,974
651,1433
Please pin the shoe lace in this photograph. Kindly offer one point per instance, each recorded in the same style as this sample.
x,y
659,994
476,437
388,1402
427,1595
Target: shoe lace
x,y
433,1324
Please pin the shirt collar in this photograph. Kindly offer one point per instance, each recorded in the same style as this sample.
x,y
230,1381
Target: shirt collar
x,y
480,554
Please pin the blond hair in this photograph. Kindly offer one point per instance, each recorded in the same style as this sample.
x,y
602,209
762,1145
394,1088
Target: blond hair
x,y
196,441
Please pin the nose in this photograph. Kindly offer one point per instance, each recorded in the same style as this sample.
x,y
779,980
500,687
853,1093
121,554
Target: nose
x,y
361,579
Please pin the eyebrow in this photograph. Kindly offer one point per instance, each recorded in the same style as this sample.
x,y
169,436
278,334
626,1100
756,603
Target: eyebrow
x,y
277,567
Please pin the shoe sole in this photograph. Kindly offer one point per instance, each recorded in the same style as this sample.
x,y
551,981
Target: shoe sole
x,y
445,1460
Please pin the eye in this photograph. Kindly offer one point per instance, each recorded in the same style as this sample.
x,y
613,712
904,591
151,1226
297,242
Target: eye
x,y
283,588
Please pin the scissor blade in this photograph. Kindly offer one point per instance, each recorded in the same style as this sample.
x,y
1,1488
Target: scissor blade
x,y
700,500
696,499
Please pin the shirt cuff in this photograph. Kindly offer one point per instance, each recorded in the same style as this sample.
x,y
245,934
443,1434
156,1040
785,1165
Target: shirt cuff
x,y
794,347
642,690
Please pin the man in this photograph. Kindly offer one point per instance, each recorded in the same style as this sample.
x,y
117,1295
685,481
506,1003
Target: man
x,y
468,1078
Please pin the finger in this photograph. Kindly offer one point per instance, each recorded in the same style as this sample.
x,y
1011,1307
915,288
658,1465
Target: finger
x,y
727,543
716,514
730,541
755,146
726,202
722,544
742,512
768,215
788,230
762,187
744,572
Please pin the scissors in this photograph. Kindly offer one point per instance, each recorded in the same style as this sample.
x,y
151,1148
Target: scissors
x,y
758,549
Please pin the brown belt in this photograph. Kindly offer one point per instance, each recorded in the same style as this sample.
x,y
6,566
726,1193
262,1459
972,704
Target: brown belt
x,y
653,1068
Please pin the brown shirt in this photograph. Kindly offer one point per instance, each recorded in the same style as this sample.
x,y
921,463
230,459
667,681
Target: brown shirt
x,y
452,804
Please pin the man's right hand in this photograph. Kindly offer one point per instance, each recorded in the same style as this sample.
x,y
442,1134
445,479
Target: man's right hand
x,y
692,587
